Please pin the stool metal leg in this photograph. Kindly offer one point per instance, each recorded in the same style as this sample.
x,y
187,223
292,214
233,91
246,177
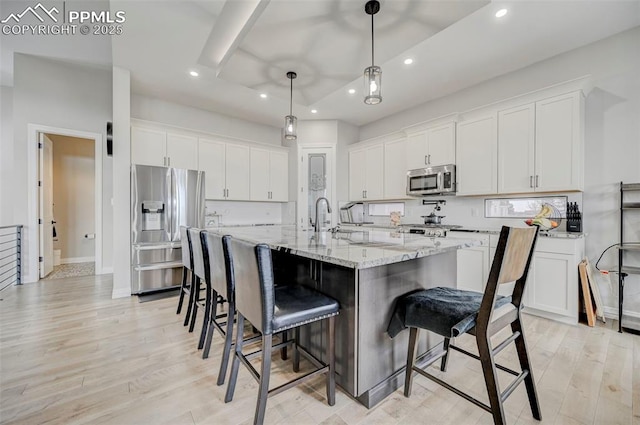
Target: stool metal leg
x,y
191,295
206,321
445,358
228,338
263,392
491,379
296,352
331,360
233,376
411,357
195,288
182,286
529,382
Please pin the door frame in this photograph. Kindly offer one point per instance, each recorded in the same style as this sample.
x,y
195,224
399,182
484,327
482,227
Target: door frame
x,y
33,167
330,150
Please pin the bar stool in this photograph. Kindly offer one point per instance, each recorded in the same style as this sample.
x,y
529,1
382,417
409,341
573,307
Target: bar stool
x,y
275,309
218,270
199,302
451,312
187,273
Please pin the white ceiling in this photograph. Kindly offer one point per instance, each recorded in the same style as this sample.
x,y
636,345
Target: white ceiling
x,y
242,48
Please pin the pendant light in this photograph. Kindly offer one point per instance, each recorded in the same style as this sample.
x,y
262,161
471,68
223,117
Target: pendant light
x,y
291,122
372,74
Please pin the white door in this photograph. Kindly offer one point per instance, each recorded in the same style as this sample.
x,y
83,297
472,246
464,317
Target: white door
x,y
516,154
279,176
316,180
442,145
237,172
395,169
472,268
212,161
46,205
374,173
148,147
182,151
259,174
548,288
417,151
477,156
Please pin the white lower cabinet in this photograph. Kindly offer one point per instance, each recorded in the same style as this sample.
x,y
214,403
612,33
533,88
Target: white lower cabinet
x,y
473,263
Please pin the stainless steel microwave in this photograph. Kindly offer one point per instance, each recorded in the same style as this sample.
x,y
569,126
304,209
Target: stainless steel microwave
x,y
432,180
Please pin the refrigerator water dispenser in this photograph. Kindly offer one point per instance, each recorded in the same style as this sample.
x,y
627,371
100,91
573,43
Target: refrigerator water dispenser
x,y
152,215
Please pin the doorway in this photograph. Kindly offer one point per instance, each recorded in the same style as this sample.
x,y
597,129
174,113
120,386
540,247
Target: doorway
x,y
316,181
67,208
65,201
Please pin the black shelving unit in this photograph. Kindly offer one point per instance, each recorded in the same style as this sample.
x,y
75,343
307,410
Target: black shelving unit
x,y
626,247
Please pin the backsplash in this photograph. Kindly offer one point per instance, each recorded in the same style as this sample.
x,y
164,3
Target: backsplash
x,y
234,213
464,211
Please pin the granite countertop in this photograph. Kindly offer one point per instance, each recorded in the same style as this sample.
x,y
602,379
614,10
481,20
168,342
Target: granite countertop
x,y
358,249
543,233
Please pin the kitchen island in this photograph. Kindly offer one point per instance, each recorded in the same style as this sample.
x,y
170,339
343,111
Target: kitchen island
x,y
366,271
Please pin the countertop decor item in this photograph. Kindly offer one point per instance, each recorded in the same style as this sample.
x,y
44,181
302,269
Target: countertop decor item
x,y
548,218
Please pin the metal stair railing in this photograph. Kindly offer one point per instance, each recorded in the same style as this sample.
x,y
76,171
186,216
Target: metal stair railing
x,y
10,255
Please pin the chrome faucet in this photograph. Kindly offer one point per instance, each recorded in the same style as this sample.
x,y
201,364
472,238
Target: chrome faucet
x,y
316,226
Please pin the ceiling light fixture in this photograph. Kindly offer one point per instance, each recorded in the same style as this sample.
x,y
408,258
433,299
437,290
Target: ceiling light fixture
x,y
263,95
500,13
408,61
290,122
193,73
314,111
372,74
352,91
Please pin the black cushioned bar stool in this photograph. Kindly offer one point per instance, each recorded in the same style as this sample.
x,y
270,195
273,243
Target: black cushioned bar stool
x,y
270,310
452,312
200,301
187,273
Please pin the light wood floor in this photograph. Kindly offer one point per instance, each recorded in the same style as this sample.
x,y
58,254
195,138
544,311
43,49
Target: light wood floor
x,y
69,354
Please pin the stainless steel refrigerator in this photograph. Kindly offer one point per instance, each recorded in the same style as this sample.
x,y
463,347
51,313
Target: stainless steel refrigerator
x,y
162,200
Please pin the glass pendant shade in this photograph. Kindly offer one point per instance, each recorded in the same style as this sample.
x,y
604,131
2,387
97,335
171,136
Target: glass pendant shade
x,y
290,127
373,85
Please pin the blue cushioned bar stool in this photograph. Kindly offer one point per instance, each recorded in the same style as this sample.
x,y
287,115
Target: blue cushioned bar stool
x,y
187,273
452,312
273,309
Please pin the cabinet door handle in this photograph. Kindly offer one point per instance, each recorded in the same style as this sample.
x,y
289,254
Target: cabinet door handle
x,y
530,181
426,162
365,193
537,185
429,159
168,161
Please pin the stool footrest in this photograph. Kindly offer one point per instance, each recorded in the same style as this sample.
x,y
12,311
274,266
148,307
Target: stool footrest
x,y
503,368
453,389
512,386
506,342
297,381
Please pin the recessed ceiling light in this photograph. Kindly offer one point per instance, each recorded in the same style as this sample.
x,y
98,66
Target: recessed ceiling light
x,y
314,111
263,95
500,13
193,73
408,61
352,91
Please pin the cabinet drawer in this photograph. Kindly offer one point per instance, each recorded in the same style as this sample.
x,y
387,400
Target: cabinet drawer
x,y
483,238
560,246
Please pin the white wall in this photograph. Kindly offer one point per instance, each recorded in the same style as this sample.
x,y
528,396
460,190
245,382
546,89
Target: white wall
x,y
121,180
73,197
6,155
61,95
612,132
152,109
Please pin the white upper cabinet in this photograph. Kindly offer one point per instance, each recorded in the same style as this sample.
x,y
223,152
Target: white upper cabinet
x,y
540,146
433,146
237,162
366,173
148,147
157,147
516,149
559,143
269,175
212,162
182,151
476,152
395,169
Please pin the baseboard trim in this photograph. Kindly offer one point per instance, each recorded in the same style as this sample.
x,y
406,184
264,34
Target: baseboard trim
x,y
612,313
74,260
121,293
107,270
